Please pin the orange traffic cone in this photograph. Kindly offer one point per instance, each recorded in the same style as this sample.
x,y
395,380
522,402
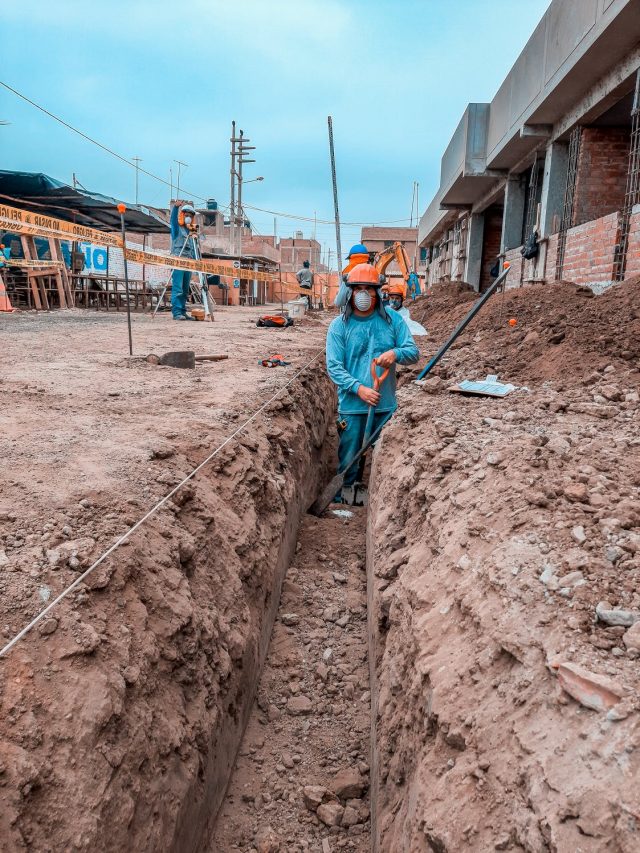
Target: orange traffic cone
x,y
5,302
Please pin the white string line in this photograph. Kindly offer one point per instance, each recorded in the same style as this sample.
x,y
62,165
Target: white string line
x,y
151,512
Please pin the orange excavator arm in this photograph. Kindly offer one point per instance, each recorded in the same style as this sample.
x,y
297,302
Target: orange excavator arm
x,y
397,253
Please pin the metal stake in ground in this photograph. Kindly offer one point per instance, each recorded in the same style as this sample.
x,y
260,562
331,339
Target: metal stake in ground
x,y
121,210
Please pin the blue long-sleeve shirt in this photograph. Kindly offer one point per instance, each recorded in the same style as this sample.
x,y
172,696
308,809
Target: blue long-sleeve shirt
x,y
351,347
179,236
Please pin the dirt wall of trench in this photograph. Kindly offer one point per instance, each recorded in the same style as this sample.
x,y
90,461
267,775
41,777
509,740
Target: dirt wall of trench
x,y
123,713
505,710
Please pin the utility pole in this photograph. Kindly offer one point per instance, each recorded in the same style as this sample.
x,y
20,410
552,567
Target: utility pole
x,y
232,202
180,164
137,161
243,149
335,194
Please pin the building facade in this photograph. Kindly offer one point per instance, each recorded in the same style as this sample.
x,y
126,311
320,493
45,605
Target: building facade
x,y
378,238
553,161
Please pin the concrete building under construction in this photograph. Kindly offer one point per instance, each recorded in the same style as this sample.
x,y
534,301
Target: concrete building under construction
x,y
552,162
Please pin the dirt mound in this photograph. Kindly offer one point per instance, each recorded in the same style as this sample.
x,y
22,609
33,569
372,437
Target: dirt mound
x,y
121,713
560,328
505,576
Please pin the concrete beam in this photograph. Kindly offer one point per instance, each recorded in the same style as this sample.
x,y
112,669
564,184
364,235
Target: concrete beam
x,y
553,185
538,131
513,218
446,206
614,85
489,197
473,268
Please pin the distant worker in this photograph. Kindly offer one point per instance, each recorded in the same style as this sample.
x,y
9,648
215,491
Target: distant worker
x,y
305,280
413,283
183,234
396,294
364,331
358,254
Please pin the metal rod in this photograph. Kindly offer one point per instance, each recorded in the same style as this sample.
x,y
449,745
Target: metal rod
x,y
463,324
335,194
121,209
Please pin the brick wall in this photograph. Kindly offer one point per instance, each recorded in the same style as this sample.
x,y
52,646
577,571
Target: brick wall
x,y
601,173
590,249
514,279
551,257
633,248
490,244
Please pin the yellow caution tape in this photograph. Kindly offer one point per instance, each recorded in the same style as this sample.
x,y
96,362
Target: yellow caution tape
x,y
26,222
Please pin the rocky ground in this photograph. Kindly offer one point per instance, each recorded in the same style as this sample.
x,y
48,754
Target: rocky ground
x,y
121,713
504,582
302,776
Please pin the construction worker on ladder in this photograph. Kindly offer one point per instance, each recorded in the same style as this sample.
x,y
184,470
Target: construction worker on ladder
x,y
183,234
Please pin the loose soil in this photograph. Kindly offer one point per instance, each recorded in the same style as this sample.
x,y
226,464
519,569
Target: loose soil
x,y
121,713
507,709
301,780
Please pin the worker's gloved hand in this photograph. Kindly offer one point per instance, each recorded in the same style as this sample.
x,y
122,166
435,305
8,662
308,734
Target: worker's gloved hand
x,y
368,395
387,358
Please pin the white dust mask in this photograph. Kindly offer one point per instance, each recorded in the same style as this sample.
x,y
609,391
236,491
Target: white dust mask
x,y
362,300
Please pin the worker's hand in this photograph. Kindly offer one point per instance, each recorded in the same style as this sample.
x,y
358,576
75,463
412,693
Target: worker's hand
x,y
387,358
368,395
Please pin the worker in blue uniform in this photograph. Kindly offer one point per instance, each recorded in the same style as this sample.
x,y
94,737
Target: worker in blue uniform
x,y
366,330
183,234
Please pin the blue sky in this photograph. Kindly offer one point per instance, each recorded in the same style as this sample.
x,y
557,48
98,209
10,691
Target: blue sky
x,y
163,80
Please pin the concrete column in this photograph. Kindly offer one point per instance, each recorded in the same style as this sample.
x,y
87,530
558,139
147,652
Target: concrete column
x,y
554,184
513,217
473,268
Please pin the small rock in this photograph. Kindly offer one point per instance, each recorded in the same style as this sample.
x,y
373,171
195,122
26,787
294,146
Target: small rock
x,y
432,385
464,563
85,503
631,638
348,784
339,578
350,817
322,672
299,706
287,760
558,445
614,616
495,458
327,655
48,626
330,813
579,535
588,688
266,841
131,674
290,619
576,493
313,796
4,560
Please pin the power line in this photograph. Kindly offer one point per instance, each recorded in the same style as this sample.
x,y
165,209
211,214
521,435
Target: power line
x,y
93,141
367,223
129,162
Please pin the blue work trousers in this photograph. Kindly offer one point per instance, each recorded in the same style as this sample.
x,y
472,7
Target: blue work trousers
x,y
351,438
180,281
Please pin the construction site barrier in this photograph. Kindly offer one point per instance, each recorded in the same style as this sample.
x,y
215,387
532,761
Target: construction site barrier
x,y
27,223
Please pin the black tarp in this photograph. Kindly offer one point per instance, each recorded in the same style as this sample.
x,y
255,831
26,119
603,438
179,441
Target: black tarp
x,y
42,194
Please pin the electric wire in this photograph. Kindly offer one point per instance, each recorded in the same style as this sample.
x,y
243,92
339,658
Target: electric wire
x,y
167,183
154,509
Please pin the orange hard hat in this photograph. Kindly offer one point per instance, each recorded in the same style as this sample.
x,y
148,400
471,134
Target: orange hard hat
x,y
364,274
396,290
